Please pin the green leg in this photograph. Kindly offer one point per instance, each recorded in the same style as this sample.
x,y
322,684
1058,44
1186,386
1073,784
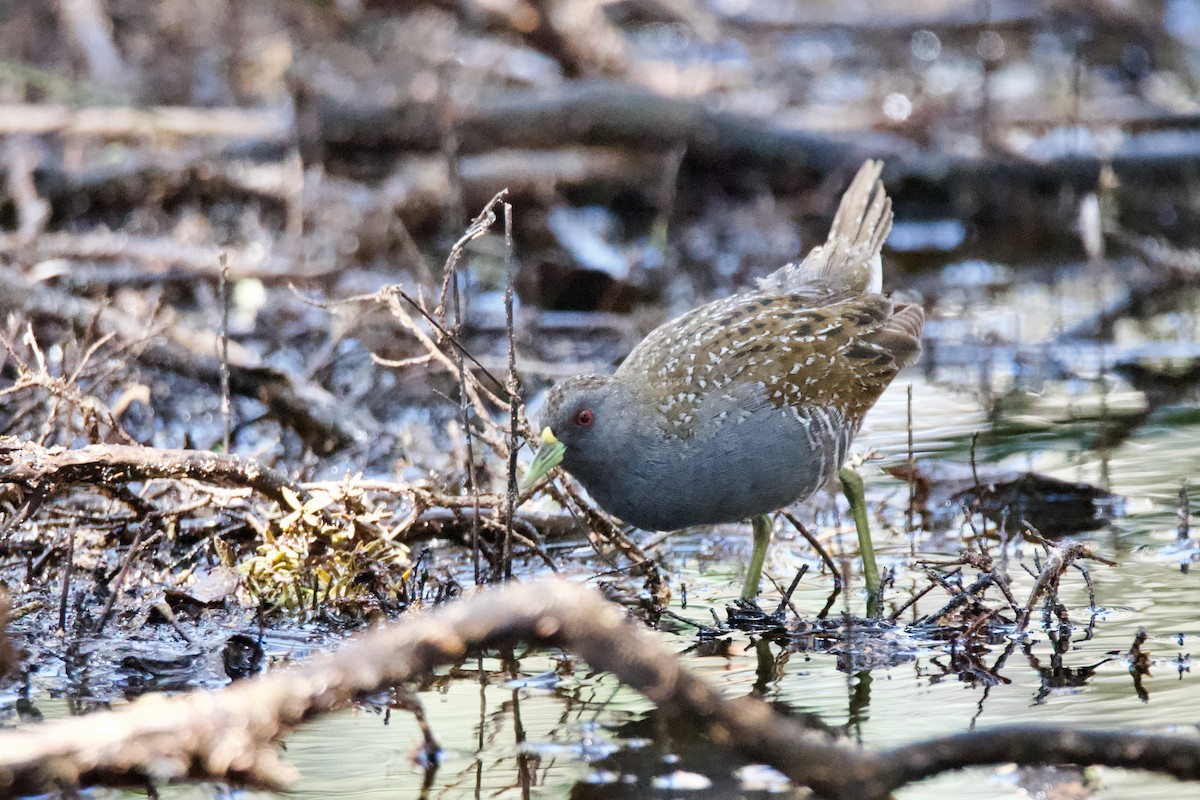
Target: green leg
x,y
762,538
852,486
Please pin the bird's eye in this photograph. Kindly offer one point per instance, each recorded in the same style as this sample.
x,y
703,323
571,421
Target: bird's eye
x,y
584,417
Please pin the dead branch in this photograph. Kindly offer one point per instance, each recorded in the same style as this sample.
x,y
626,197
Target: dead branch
x,y
958,597
592,113
1037,746
1058,559
110,122
90,27
50,470
22,159
162,252
231,734
608,113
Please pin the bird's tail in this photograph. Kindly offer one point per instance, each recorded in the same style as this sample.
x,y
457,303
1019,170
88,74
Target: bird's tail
x,y
849,260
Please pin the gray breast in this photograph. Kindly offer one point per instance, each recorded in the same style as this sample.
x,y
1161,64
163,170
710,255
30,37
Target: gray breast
x,y
751,461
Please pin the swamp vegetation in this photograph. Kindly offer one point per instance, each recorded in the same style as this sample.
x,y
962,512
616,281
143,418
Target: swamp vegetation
x,y
283,284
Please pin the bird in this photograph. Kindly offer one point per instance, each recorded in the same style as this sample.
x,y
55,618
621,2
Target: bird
x,y
747,404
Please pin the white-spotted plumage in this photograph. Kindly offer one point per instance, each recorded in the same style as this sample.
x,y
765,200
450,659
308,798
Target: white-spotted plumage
x,y
750,402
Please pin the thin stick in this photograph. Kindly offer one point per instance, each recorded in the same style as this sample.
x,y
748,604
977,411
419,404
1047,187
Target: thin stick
x,y
226,405
447,335
978,502
974,469
786,600
1184,512
115,587
464,412
513,406
816,545
907,604
66,581
478,227
912,477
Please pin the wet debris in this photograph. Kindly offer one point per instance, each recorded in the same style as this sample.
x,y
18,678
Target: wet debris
x,y
1052,783
208,587
1139,664
180,735
1009,499
242,656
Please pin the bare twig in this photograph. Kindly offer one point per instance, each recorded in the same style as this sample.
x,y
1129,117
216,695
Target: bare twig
x,y
67,568
815,543
33,212
1058,559
958,598
510,502
437,326
91,29
226,407
114,587
907,604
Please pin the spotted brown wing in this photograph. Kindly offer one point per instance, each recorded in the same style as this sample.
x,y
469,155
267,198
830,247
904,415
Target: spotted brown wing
x,y
779,350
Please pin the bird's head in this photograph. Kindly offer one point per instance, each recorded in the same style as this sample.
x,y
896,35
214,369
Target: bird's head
x,y
588,425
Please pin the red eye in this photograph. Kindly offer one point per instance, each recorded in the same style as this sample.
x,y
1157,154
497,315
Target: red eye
x,y
584,417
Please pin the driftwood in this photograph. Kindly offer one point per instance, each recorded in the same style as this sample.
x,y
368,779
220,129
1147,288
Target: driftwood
x,y
232,734
604,113
592,113
313,413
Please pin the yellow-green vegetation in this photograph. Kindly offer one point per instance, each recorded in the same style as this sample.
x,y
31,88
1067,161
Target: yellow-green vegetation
x,y
314,553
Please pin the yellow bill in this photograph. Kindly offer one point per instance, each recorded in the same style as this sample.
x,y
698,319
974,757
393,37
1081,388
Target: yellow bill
x,y
549,455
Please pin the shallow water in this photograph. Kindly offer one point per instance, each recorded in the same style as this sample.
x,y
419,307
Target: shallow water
x,y
543,726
